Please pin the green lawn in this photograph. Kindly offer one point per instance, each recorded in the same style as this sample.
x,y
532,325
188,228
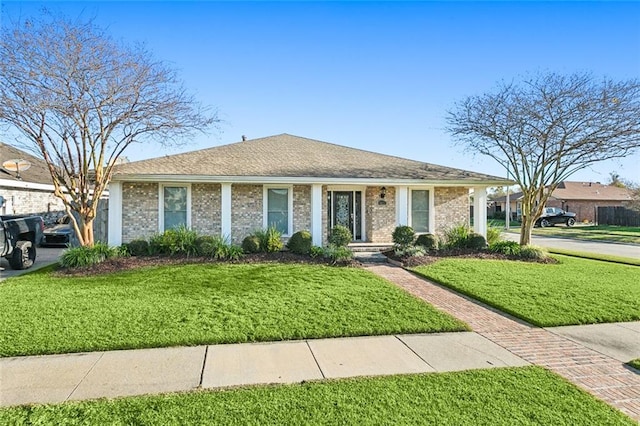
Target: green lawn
x,y
522,396
204,303
596,256
604,233
635,363
575,291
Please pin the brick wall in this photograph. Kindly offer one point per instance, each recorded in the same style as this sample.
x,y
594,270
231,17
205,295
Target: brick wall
x,y
451,207
36,202
380,219
139,210
301,208
205,208
246,211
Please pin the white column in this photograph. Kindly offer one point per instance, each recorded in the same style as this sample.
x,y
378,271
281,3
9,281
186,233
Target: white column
x,y
114,236
480,210
316,214
225,211
402,205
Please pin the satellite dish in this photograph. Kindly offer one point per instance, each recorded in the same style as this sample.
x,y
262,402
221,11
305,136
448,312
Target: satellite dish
x,y
16,165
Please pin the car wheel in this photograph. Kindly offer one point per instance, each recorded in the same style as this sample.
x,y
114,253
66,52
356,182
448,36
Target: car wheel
x,y
544,223
571,221
24,255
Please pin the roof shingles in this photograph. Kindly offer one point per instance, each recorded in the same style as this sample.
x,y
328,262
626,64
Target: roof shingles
x,y
292,156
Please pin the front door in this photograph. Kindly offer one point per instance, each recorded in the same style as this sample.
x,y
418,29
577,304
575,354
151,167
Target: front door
x,y
346,211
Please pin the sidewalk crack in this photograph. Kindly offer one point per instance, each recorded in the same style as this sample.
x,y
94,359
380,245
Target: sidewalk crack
x,y
416,353
315,359
84,377
204,363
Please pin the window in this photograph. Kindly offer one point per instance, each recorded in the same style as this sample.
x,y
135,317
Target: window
x,y
277,209
420,210
174,199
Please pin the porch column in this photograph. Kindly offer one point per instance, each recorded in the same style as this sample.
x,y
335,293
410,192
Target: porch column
x,y
402,205
480,210
316,214
114,235
225,211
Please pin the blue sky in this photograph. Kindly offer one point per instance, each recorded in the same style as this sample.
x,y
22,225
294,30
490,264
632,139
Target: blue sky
x,y
372,75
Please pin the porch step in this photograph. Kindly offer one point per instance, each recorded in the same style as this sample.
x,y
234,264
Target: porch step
x,y
369,247
370,257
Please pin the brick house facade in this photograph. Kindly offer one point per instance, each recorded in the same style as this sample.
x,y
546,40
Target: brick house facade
x,y
294,184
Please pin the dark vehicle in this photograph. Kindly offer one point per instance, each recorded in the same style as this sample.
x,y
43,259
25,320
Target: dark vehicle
x,y
60,234
18,238
553,216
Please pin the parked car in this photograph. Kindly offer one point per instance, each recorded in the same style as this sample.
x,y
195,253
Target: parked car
x,y
553,215
60,234
18,238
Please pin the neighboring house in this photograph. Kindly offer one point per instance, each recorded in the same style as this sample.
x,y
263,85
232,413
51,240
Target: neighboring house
x,y
30,192
292,183
581,198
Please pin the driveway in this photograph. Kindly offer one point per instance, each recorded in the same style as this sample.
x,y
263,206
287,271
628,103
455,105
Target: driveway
x,y
612,249
44,256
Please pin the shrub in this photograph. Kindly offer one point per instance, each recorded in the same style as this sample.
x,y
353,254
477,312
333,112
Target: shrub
x,y
493,235
316,251
340,236
180,240
476,241
138,247
338,254
214,247
271,240
86,256
234,252
403,236
532,253
509,248
428,241
456,236
300,242
251,244
411,251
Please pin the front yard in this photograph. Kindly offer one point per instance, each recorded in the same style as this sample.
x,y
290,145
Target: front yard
x,y
601,233
523,396
574,291
204,304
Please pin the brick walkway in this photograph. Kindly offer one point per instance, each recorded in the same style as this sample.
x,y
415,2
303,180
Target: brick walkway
x,y
598,374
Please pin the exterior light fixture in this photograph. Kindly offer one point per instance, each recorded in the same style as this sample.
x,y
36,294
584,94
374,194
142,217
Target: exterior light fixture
x,y
383,192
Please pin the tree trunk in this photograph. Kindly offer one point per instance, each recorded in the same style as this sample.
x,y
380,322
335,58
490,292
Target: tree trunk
x,y
86,229
525,230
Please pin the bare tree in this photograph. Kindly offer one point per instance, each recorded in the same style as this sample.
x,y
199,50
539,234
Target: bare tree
x,y
78,98
546,128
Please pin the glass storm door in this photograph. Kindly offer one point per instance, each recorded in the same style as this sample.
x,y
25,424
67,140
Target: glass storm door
x,y
346,208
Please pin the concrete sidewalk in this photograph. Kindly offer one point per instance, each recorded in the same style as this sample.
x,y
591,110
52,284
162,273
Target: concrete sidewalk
x,y
58,378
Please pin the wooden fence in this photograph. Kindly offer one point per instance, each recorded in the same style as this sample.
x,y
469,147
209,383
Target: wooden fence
x,y
620,216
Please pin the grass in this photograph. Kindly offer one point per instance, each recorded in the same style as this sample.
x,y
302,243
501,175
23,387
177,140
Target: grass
x,y
575,291
514,396
635,363
595,256
204,304
602,233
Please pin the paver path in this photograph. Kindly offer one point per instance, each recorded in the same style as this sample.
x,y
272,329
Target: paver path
x,y
601,375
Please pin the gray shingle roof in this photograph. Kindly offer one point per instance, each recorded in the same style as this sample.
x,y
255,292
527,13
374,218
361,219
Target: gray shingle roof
x,y
37,173
293,156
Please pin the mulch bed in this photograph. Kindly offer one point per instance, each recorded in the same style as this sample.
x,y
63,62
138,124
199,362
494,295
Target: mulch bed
x,y
135,262
413,261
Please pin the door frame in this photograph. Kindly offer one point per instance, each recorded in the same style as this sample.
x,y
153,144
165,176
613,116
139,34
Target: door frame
x,y
363,200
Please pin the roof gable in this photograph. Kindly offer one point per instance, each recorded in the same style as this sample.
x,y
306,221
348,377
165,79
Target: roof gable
x,y
293,156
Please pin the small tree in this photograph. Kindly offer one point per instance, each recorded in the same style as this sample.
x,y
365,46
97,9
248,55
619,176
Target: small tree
x,y
548,127
78,98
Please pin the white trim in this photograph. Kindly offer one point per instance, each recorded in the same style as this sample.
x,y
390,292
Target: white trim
x,y
316,214
225,210
402,205
114,236
265,213
301,180
480,210
161,186
27,185
432,214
